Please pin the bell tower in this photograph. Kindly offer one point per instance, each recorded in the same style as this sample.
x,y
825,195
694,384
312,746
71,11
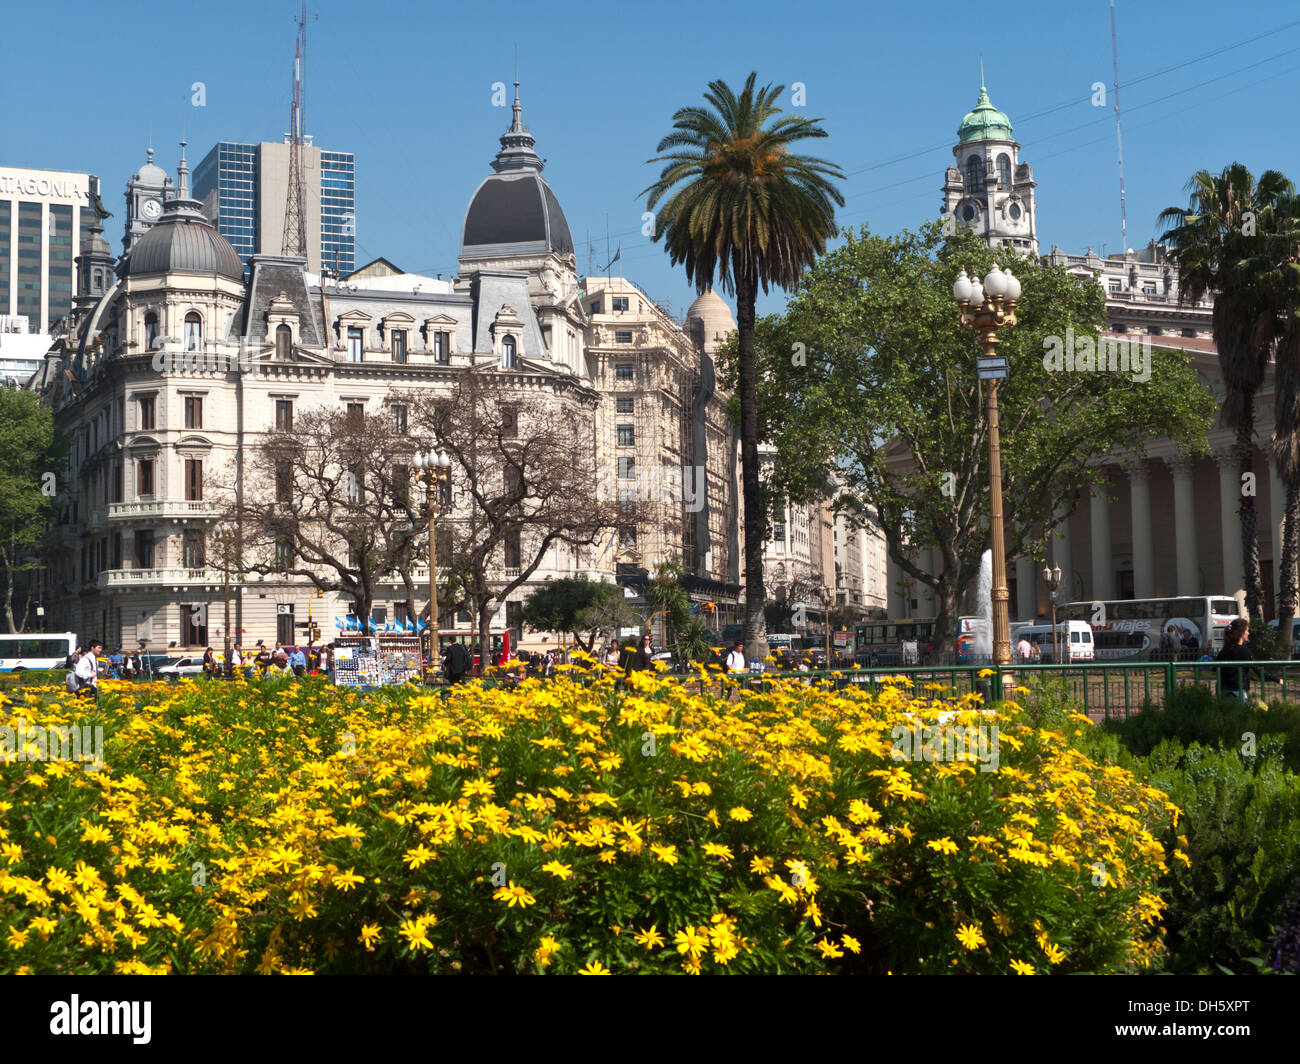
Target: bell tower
x,y
988,189
146,193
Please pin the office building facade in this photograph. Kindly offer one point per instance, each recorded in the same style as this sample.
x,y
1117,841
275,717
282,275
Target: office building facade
x,y
243,188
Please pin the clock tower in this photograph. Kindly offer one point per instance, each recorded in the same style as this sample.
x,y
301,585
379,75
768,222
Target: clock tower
x,y
989,190
146,192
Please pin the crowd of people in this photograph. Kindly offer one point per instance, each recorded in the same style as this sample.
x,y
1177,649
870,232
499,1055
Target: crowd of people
x,y
261,660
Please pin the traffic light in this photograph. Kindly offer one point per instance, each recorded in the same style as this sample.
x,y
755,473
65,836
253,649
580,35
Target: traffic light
x,y
314,633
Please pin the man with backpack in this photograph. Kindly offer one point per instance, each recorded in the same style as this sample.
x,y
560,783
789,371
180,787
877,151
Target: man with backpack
x,y
456,663
86,672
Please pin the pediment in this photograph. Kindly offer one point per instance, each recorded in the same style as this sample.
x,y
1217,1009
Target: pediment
x,y
440,319
399,316
354,315
193,441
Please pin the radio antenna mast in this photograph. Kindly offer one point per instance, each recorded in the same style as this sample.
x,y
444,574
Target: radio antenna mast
x,y
1119,136
294,241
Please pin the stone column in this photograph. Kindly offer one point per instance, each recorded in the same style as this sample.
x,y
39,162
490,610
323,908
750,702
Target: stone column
x,y
895,595
1027,578
1185,545
1229,519
1103,566
1144,572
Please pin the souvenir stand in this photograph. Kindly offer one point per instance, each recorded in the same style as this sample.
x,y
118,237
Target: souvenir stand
x,y
376,660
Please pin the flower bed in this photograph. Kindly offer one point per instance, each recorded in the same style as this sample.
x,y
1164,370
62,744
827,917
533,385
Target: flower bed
x,y
568,828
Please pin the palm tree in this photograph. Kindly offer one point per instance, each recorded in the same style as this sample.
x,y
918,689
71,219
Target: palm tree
x,y
743,209
1215,242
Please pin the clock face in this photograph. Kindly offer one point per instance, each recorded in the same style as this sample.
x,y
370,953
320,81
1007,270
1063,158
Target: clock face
x,y
151,209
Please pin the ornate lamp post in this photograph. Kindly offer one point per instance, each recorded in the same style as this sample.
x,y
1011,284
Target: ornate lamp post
x,y
826,604
435,466
987,307
224,534
1052,577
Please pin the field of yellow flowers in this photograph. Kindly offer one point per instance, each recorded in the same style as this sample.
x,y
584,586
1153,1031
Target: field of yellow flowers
x,y
571,827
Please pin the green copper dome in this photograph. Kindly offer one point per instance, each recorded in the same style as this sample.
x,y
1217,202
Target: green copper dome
x,y
986,122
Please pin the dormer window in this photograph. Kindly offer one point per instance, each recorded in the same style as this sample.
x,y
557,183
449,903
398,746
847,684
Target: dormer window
x,y
509,358
283,342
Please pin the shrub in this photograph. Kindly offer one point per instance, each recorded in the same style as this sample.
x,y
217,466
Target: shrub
x,y
569,828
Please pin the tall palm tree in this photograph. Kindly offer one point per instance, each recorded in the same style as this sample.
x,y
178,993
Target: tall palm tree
x,y
1212,241
746,211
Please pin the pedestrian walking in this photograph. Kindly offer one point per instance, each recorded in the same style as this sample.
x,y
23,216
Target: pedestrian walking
x,y
87,672
1235,682
736,659
642,659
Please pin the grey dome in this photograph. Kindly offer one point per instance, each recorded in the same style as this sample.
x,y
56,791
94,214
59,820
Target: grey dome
x,y
516,209
184,242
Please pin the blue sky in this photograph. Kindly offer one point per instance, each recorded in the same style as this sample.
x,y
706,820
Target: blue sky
x,y
407,86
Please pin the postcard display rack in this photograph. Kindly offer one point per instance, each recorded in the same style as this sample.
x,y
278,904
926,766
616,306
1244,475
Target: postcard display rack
x,y
376,661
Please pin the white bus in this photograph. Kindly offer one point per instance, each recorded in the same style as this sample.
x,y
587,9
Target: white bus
x,y
35,650
1164,629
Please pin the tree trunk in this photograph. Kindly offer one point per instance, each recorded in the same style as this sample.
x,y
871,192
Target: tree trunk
x,y
755,626
1249,537
1289,591
485,635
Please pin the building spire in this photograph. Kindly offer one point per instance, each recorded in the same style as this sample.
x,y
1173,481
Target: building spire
x,y
517,143
182,174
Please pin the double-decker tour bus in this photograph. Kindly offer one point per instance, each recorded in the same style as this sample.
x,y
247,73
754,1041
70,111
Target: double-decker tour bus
x,y
1157,629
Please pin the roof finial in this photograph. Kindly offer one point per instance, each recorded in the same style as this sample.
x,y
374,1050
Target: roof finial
x,y
183,175
981,73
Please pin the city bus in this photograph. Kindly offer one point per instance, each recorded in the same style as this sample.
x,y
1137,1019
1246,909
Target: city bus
x,y
35,650
1156,629
906,642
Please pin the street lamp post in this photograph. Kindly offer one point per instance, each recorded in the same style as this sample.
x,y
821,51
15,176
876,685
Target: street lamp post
x,y
826,602
1052,577
435,465
987,307
222,533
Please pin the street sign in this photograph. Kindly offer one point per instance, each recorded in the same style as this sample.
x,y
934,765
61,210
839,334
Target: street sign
x,y
990,369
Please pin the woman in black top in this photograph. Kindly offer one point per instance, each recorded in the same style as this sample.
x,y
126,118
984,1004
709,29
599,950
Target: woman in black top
x,y
643,658
1235,683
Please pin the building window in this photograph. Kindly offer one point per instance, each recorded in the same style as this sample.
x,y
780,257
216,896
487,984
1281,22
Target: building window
x,y
356,413
509,421
625,371
619,303
283,553
194,624
284,415
626,468
1004,170
513,551
508,353
398,413
627,536
146,413
625,404
399,345
116,495
193,412
283,342
1149,289
975,173
150,331
284,480
144,477
778,532
144,549
1116,285
194,479
595,307
626,436
402,486
192,553
354,482
622,336
442,348
193,332
356,340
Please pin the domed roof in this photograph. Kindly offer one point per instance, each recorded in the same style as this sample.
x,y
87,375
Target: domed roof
x,y
151,173
514,210
986,122
712,312
184,241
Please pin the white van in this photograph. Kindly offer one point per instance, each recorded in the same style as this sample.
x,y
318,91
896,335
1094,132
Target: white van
x,y
1073,637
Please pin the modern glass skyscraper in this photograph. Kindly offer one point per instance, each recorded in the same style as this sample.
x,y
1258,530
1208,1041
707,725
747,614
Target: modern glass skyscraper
x,y
226,182
242,187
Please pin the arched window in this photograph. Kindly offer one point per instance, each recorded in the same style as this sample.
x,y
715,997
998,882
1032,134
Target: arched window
x,y
283,342
508,353
1004,170
975,173
193,332
150,331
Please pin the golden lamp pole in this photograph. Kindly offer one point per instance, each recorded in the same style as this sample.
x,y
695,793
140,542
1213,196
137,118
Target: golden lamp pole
x,y
987,307
435,465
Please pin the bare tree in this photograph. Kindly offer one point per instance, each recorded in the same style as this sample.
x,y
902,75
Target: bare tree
x,y
523,482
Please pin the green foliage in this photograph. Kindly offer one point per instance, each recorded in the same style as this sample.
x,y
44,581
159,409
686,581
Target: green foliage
x,y
870,370
577,605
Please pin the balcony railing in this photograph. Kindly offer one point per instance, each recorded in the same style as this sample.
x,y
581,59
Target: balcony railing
x,y
113,579
163,509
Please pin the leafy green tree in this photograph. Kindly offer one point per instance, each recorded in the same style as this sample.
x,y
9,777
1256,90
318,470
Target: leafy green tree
x,y
744,209
33,450
870,372
577,606
1214,240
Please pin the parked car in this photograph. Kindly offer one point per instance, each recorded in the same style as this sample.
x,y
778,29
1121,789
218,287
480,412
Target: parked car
x,y
186,666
